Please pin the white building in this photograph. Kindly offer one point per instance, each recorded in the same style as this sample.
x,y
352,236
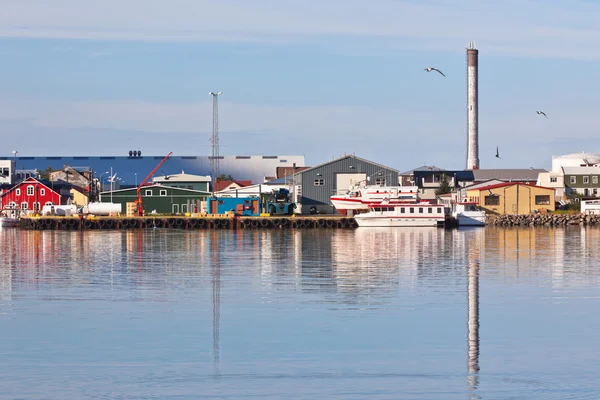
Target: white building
x,y
569,164
6,172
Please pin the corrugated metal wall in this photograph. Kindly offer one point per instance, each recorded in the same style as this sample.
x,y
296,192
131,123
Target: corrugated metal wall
x,y
318,196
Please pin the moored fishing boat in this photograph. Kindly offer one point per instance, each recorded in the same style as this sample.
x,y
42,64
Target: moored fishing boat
x,y
468,214
359,199
408,214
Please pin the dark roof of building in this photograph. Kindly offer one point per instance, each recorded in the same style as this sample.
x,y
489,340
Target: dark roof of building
x,y
524,174
222,184
423,168
288,171
344,157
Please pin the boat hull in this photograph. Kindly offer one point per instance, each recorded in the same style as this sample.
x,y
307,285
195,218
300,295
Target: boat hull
x,y
470,219
376,221
9,222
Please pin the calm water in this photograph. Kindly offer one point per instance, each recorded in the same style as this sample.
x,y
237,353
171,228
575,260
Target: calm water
x,y
367,314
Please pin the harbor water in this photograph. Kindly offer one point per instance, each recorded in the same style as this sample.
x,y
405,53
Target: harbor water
x,y
370,313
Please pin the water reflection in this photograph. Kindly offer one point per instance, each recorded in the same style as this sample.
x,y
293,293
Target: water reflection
x,y
309,311
474,240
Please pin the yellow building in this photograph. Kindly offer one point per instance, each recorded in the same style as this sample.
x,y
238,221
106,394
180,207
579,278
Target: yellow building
x,y
513,198
79,197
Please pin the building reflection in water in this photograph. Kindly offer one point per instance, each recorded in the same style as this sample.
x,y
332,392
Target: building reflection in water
x,y
216,299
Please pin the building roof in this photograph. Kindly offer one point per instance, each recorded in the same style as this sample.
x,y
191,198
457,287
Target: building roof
x,y
525,174
343,158
288,171
182,177
156,185
423,168
506,184
31,179
222,184
580,170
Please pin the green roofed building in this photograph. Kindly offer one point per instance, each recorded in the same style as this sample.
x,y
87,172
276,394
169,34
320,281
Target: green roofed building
x,y
163,199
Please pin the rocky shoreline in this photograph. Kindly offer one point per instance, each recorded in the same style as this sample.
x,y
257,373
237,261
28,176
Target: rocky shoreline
x,y
542,220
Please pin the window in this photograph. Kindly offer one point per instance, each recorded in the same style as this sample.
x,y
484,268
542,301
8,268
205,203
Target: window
x,y
491,200
420,210
42,192
380,181
319,182
12,204
24,205
148,192
402,210
542,200
412,210
439,210
5,172
36,206
163,192
586,179
553,180
573,179
595,180
29,190
18,192
430,210
48,203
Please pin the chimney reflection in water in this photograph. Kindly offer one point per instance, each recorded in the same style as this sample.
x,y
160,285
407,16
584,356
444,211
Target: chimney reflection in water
x,y
473,320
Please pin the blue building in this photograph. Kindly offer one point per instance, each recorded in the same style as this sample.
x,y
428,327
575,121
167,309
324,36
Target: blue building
x,y
134,169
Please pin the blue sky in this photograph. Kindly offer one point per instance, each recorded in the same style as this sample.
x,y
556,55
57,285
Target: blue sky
x,y
318,78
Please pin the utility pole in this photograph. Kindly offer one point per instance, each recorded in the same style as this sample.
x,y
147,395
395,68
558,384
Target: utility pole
x,y
214,160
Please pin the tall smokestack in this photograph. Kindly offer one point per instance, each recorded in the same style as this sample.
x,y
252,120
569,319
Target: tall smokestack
x,y
472,108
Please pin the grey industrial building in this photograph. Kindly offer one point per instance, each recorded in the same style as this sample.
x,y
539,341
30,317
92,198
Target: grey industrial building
x,y
314,186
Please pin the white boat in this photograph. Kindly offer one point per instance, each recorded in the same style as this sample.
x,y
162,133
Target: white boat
x,y
468,214
9,218
359,199
408,214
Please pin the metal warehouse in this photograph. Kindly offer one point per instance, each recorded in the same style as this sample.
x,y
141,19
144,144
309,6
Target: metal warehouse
x,y
314,186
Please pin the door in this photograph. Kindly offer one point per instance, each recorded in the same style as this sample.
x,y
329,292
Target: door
x,y
175,208
184,208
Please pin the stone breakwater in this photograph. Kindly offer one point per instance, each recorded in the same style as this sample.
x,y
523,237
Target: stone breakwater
x,y
542,220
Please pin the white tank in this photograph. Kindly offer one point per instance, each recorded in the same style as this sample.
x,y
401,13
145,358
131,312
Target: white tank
x,y
104,208
64,211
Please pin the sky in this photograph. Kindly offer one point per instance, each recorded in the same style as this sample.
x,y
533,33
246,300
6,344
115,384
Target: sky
x,y
314,78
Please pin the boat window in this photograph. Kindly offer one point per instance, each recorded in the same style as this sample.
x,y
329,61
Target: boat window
x,y
377,209
420,210
402,210
412,210
430,210
439,210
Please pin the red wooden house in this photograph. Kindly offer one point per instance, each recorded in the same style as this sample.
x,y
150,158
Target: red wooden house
x,y
30,194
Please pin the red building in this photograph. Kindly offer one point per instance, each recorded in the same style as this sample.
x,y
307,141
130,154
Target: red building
x,y
30,194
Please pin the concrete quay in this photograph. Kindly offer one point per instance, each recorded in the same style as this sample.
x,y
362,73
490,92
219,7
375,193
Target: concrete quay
x,y
178,222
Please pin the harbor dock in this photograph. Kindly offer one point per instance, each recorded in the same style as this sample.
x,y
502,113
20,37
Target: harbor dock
x,y
181,222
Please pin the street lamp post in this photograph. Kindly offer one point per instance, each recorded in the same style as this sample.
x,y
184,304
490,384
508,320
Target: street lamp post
x,y
101,180
15,152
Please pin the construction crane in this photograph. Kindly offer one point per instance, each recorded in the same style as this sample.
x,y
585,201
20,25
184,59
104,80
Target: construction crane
x,y
138,201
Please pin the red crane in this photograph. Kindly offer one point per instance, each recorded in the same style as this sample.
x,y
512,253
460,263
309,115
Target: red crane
x,y
139,206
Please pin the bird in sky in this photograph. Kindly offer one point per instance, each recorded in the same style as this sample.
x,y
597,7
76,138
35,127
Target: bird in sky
x,y
542,113
166,176
497,153
429,69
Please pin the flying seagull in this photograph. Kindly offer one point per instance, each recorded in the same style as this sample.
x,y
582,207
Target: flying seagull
x,y
429,69
497,152
166,176
541,113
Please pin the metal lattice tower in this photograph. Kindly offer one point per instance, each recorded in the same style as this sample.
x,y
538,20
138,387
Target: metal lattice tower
x,y
214,160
